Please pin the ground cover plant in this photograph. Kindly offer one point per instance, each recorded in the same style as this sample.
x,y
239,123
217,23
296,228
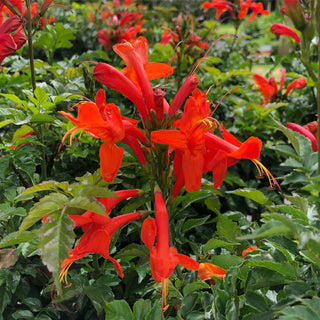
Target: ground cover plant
x,y
159,160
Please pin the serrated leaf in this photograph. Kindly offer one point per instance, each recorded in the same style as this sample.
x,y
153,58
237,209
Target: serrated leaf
x,y
40,95
193,223
285,149
260,277
95,191
14,98
269,229
42,118
194,286
218,243
15,238
88,204
296,213
141,308
286,269
48,205
252,194
56,238
227,229
46,186
118,309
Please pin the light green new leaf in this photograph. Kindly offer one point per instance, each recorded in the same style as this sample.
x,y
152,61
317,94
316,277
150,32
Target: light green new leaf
x,y
87,203
46,186
48,205
251,193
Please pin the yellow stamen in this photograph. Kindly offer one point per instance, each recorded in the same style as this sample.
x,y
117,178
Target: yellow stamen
x,y
264,171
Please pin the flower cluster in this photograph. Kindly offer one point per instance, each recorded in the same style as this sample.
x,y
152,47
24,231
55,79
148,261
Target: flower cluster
x,y
269,88
118,23
18,7
11,38
235,11
174,150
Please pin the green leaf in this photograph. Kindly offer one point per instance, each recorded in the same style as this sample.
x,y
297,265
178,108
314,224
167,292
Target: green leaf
x,y
218,243
155,312
118,309
141,308
40,95
286,269
194,286
286,150
15,99
5,122
46,186
252,194
48,205
268,229
56,238
260,277
14,238
88,204
95,191
227,229
42,118
23,314
295,213
193,223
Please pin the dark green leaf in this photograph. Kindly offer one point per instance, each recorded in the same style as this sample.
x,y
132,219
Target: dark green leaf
x,y
141,308
193,223
118,309
56,238
252,194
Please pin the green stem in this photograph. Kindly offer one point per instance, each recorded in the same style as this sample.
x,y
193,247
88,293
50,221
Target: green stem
x,y
318,80
30,44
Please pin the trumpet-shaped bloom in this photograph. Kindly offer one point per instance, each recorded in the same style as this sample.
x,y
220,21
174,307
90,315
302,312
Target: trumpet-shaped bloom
x,y
312,127
98,230
207,270
10,38
104,121
283,30
269,88
255,7
220,6
305,132
163,258
223,153
138,68
189,139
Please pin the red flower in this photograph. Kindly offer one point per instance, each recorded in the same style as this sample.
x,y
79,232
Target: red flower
x,y
256,7
10,43
305,132
163,259
189,139
244,252
98,230
269,87
134,79
220,6
207,270
312,127
104,121
139,70
223,153
296,84
282,30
